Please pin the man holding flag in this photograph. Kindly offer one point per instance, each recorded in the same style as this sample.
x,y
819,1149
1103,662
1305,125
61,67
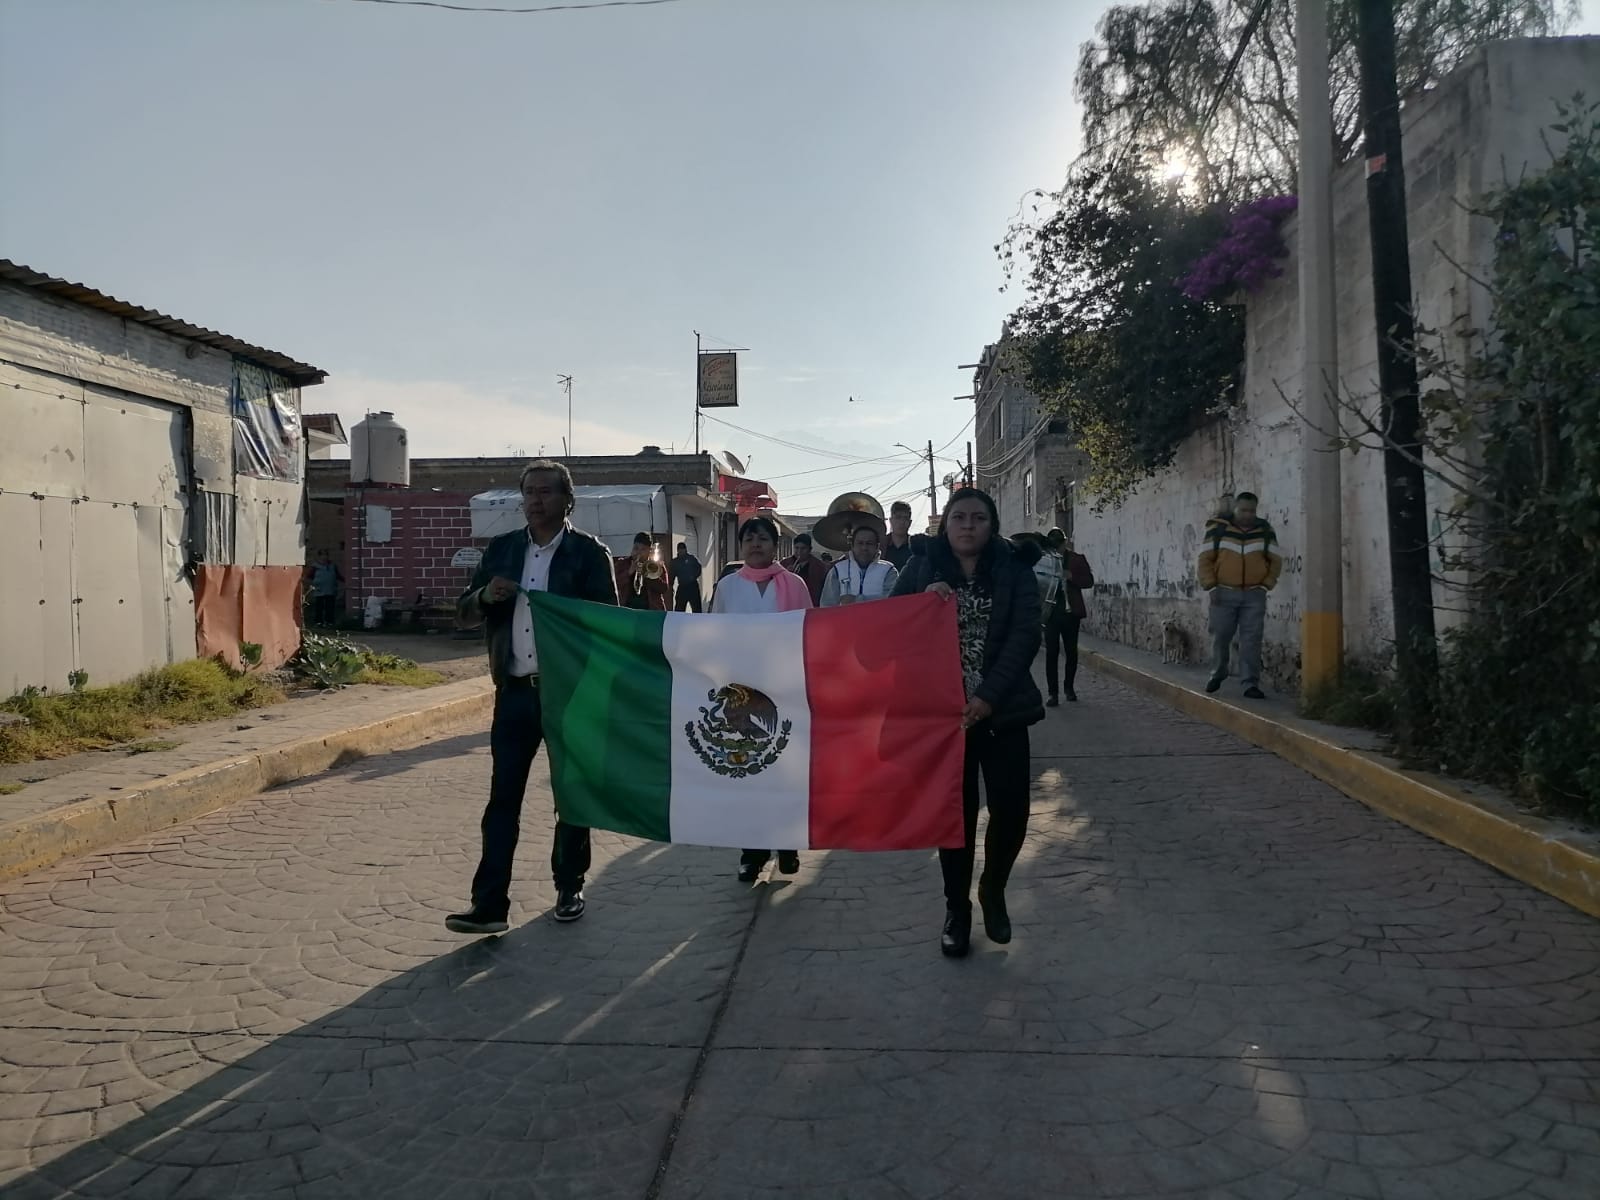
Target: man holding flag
x,y
547,556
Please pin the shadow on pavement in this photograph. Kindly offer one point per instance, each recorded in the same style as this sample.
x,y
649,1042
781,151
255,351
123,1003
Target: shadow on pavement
x,y
553,1052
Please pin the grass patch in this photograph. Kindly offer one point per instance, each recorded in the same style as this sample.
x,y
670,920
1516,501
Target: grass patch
x,y
1360,699
85,718
402,673
151,746
10,789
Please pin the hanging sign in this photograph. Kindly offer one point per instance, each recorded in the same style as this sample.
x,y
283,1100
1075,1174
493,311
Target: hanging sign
x,y
719,380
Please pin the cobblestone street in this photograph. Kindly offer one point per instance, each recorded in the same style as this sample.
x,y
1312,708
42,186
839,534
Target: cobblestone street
x,y
1227,980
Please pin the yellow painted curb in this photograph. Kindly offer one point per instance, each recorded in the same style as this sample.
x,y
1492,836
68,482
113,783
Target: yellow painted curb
x,y
89,825
1557,860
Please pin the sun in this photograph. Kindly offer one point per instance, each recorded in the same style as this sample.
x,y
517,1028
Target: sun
x,y
1175,167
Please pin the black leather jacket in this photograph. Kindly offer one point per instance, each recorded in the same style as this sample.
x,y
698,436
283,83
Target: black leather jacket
x,y
1013,640
581,569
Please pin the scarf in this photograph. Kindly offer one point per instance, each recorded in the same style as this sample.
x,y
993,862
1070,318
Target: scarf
x,y
792,590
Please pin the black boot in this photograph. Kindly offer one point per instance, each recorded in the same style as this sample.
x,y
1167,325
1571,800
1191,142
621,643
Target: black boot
x,y
996,920
957,937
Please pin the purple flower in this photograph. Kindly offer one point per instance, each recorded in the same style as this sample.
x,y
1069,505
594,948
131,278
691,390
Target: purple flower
x,y
1247,257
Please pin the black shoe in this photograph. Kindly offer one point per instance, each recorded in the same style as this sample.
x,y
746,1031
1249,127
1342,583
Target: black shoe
x,y
475,921
1053,702
749,872
996,921
1254,693
569,905
788,861
1213,684
957,937
1072,696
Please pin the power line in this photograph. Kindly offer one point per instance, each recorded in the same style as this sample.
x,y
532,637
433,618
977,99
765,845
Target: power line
x,y
834,454
1233,65
542,8
862,462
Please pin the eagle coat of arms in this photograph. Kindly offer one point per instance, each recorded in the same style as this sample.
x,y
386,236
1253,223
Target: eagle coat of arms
x,y
739,732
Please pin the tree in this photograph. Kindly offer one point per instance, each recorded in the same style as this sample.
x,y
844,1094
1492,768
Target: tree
x,y
1106,336
1154,82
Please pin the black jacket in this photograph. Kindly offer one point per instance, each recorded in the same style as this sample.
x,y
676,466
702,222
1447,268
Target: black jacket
x,y
581,568
1013,640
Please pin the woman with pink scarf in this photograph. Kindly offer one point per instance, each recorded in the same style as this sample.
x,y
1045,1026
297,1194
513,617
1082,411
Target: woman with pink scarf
x,y
761,586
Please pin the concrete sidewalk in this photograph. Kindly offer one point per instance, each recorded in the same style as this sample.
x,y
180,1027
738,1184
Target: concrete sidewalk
x,y
113,795
1555,856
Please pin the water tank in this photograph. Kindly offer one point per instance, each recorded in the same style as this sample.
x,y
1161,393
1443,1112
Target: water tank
x,y
378,451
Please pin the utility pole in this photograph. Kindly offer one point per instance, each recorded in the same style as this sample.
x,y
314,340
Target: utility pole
x,y
566,382
933,488
1405,485
972,480
1322,580
697,393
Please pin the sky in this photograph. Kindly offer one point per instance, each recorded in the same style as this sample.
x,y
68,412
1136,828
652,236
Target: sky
x,y
446,210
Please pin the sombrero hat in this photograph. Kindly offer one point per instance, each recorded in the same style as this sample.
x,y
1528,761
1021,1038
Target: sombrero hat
x,y
851,511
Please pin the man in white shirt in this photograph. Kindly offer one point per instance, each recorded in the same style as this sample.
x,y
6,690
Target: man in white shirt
x,y
548,555
861,574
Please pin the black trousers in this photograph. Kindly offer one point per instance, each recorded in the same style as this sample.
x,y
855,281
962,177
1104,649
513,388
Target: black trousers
x,y
1002,757
689,598
322,609
514,739
1060,631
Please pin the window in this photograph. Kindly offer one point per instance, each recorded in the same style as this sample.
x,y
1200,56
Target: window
x,y
1027,492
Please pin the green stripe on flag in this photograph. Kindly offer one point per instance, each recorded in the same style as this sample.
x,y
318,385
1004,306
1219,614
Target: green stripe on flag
x,y
606,690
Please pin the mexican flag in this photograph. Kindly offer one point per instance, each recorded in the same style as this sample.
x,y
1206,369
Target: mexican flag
x,y
836,728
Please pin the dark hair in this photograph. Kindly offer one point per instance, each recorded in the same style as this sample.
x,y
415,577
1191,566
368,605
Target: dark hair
x,y
683,545
872,529
643,539
1246,496
766,524
943,559
543,466
802,539
900,506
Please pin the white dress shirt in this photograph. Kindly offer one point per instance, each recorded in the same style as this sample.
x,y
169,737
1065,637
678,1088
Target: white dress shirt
x,y
736,594
535,578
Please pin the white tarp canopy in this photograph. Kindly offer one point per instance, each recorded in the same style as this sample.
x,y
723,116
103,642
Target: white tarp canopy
x,y
613,513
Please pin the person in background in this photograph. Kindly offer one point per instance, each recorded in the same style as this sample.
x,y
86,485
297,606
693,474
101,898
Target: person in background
x,y
804,563
1239,566
761,586
547,556
861,574
325,580
992,585
641,580
686,573
1064,611
902,544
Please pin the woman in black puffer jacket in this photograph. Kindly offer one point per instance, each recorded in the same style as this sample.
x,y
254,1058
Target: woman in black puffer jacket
x,y
991,582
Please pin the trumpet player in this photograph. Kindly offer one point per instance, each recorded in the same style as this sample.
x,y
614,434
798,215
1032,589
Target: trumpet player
x,y
641,580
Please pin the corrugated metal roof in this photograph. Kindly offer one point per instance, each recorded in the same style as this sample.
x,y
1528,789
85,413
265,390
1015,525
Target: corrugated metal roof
x,y
299,373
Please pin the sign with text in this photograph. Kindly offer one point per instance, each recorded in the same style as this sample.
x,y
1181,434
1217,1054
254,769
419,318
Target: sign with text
x,y
719,380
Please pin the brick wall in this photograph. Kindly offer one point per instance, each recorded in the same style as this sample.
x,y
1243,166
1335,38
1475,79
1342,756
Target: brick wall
x,y
426,529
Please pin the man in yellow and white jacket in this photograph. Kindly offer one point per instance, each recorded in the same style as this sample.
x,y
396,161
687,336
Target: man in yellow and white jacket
x,y
1239,566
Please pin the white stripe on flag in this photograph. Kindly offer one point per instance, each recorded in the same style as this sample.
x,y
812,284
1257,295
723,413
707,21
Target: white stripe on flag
x,y
772,808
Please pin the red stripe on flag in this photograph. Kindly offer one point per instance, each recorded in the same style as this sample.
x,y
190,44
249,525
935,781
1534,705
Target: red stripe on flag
x,y
884,683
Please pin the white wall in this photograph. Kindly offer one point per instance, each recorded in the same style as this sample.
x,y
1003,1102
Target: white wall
x,y
1480,127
